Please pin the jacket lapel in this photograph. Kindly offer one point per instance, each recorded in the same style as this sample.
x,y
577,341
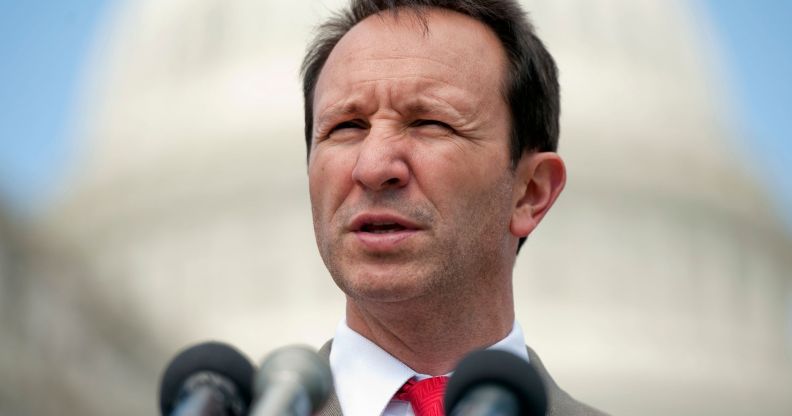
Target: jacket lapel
x,y
332,407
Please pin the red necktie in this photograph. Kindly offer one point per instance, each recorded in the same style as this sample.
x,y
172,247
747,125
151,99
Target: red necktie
x,y
425,396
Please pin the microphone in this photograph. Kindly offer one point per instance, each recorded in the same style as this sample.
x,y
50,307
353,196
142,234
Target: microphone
x,y
208,379
495,383
293,381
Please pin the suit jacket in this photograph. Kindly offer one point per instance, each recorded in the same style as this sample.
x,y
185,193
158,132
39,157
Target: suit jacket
x,y
559,403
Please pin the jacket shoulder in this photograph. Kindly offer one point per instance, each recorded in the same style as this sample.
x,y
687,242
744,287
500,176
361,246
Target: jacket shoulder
x,y
559,402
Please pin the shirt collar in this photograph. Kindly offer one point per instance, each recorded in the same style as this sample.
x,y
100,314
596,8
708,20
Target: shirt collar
x,y
366,377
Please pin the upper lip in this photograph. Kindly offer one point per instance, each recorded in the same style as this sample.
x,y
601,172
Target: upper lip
x,y
363,219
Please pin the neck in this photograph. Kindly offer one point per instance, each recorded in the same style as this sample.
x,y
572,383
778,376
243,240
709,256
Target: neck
x,y
433,333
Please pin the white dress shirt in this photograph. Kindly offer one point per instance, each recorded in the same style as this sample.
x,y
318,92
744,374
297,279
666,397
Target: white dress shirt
x,y
366,377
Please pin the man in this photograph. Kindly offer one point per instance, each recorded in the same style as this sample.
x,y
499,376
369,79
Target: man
x,y
431,129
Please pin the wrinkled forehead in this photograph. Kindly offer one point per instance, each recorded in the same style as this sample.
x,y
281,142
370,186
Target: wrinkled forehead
x,y
439,45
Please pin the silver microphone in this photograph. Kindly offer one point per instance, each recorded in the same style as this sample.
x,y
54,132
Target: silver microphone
x,y
292,381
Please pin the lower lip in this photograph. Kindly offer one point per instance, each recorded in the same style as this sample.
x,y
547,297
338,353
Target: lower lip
x,y
381,242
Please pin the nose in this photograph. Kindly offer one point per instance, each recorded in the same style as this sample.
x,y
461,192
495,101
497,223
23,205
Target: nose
x,y
382,163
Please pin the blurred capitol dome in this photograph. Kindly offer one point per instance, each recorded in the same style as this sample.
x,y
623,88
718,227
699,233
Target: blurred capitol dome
x,y
657,285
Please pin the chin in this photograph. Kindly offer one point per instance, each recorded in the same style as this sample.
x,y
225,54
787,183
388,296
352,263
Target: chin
x,y
382,286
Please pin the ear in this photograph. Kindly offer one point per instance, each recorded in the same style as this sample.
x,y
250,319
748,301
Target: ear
x,y
540,178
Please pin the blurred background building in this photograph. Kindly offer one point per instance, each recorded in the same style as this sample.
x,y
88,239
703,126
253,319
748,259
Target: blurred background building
x,y
659,284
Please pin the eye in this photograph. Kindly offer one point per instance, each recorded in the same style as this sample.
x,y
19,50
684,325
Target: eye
x,y
351,124
435,123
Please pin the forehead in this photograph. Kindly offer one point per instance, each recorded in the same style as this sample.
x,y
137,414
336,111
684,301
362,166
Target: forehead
x,y
446,48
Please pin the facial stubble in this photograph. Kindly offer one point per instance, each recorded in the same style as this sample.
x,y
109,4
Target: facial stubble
x,y
464,259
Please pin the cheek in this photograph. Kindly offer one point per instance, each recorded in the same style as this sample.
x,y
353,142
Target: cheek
x,y
329,179
318,187
463,169
314,181
473,185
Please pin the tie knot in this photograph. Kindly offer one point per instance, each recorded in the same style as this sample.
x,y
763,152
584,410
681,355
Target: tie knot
x,y
425,396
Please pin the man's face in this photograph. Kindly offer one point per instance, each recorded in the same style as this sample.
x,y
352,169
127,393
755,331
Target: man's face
x,y
410,177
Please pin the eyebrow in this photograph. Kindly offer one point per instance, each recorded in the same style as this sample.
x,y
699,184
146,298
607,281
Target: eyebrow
x,y
415,106
431,106
337,111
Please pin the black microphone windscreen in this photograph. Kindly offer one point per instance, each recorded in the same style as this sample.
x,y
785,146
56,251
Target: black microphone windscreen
x,y
503,369
213,357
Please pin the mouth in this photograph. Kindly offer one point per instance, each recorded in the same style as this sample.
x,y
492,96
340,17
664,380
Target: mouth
x,y
381,224
382,227
382,233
